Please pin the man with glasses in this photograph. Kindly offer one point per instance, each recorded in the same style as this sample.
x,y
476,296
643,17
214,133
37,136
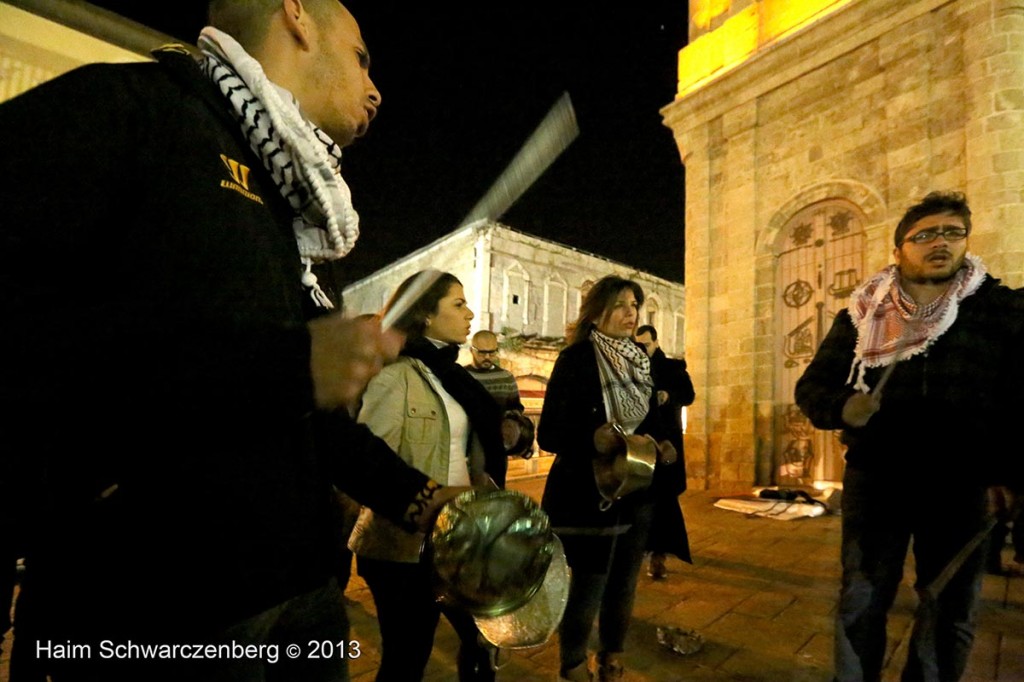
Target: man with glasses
x,y
499,382
922,372
517,428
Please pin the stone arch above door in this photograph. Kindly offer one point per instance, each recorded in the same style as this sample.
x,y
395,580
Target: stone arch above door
x,y
857,193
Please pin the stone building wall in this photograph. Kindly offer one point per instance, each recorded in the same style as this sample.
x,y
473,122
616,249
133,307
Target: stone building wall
x,y
34,49
527,289
876,103
521,284
454,255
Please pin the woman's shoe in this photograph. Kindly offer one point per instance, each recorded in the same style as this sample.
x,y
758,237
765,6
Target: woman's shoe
x,y
656,569
580,673
610,668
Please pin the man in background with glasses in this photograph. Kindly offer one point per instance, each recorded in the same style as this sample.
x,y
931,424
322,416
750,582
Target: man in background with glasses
x,y
922,372
499,382
517,429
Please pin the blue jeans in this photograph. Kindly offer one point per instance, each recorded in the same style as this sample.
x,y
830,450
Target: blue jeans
x,y
607,590
880,516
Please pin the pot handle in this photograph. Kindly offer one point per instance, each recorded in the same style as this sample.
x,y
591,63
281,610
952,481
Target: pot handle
x,y
605,503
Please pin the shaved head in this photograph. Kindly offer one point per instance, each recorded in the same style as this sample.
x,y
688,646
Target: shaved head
x,y
484,336
484,350
314,50
247,21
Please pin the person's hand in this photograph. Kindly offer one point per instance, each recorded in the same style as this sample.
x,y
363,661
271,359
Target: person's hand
x,y
606,440
662,397
859,408
1000,502
667,453
345,354
510,432
442,495
483,481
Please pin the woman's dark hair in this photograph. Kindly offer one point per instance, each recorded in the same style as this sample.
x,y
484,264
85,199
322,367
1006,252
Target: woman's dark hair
x,y
597,302
414,321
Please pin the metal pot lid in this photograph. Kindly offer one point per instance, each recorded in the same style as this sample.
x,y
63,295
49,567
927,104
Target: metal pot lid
x,y
489,551
517,431
533,623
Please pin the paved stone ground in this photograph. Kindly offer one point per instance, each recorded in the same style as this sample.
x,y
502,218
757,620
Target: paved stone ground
x,y
762,592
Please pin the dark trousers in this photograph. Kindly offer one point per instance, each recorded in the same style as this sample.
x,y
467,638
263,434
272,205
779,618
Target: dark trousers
x,y
880,516
303,638
408,615
606,592
998,538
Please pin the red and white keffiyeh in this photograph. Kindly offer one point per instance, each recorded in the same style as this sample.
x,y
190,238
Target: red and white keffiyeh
x,y
892,327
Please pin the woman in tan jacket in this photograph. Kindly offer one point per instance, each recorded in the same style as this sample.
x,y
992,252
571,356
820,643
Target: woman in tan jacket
x,y
443,422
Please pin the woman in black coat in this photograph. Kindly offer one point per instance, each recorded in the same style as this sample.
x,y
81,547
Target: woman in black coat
x,y
603,377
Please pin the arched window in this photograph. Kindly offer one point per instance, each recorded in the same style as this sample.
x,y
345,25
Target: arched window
x,y
556,300
515,303
679,331
652,313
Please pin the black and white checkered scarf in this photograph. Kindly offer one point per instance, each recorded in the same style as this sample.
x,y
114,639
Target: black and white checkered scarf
x,y
626,383
304,162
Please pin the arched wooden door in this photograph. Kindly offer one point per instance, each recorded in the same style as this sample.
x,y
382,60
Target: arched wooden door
x,y
820,261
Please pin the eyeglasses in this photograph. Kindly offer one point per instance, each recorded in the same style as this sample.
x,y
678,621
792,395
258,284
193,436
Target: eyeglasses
x,y
951,233
485,352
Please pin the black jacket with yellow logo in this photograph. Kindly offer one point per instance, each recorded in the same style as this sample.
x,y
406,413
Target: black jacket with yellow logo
x,y
155,341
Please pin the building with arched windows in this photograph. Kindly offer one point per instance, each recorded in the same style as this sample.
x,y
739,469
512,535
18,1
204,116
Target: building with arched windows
x,y
807,128
525,288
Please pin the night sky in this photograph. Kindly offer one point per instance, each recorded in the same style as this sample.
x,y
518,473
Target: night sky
x,y
464,85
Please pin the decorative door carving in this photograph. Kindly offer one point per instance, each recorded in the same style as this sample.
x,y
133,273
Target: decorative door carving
x,y
820,261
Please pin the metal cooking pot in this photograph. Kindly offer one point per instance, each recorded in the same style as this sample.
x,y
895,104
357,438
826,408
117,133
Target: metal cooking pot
x,y
489,551
629,469
533,623
517,431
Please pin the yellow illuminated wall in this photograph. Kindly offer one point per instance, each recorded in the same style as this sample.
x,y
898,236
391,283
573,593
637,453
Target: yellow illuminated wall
x,y
34,49
741,34
703,11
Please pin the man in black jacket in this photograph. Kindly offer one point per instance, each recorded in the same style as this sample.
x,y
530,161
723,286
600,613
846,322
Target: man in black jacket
x,y
674,392
922,372
177,414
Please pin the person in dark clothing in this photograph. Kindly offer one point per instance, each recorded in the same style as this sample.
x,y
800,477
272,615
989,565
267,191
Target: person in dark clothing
x,y
602,377
923,374
443,422
499,382
1009,525
517,429
9,552
674,391
181,416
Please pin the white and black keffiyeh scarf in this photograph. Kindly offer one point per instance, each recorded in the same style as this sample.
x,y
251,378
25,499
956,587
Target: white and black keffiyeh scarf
x,y
892,327
626,383
304,162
